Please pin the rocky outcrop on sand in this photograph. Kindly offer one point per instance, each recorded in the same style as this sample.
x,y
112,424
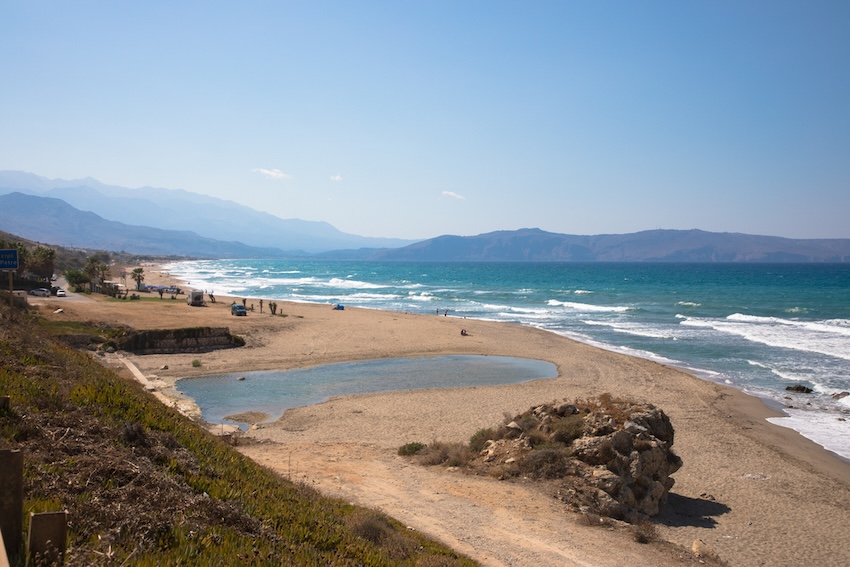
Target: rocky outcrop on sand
x,y
609,457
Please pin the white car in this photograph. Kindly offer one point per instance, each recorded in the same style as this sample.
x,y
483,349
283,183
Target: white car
x,y
60,292
40,291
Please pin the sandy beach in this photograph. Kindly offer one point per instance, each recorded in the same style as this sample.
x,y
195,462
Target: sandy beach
x,y
755,493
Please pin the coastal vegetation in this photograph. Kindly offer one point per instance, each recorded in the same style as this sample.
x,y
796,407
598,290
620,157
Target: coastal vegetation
x,y
144,485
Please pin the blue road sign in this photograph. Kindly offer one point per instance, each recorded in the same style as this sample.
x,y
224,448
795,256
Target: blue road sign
x,y
8,259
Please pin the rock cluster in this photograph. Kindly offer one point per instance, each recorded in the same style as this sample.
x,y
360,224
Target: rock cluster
x,y
614,459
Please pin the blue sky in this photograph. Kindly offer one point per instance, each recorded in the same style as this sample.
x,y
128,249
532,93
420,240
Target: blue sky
x,y
415,119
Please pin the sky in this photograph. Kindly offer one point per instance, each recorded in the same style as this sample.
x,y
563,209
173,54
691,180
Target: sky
x,y
414,119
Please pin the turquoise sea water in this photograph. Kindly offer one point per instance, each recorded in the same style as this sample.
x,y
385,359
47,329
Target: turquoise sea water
x,y
758,327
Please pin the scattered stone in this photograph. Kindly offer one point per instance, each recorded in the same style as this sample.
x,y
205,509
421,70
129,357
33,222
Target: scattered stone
x,y
60,310
566,409
702,549
799,388
633,427
840,395
241,378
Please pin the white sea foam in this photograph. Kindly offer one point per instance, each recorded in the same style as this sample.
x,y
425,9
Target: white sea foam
x,y
586,307
375,296
645,354
633,329
689,304
582,292
350,284
824,428
821,337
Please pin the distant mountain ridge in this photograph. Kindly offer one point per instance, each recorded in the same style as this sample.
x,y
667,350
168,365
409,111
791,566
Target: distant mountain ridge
x,y
177,209
52,220
535,245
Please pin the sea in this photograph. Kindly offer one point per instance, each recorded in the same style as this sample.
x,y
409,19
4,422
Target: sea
x,y
756,327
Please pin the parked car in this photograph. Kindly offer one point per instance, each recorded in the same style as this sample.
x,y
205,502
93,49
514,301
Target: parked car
x,y
40,291
238,310
60,292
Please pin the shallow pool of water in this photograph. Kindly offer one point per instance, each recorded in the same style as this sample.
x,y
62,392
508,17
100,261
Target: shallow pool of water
x,y
274,391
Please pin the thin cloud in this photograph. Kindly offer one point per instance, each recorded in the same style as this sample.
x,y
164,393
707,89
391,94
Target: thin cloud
x,y
272,174
336,178
453,195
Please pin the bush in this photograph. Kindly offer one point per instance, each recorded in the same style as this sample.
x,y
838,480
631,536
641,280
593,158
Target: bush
x,y
567,429
196,363
409,449
479,439
547,462
449,454
644,532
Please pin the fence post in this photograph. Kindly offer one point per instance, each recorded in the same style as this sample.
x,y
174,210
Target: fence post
x,y
46,538
11,499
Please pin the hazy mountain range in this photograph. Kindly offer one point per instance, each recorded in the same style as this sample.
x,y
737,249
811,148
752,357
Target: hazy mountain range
x,y
87,214
176,209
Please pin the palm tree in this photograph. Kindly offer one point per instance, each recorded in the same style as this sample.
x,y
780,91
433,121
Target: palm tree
x,y
92,268
104,271
138,276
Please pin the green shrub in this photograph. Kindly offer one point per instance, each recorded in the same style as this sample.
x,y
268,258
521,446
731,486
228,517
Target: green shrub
x,y
196,363
548,462
409,449
567,429
479,439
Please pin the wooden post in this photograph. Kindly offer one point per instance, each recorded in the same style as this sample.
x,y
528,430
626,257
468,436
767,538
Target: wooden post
x,y
46,539
4,557
11,500
11,295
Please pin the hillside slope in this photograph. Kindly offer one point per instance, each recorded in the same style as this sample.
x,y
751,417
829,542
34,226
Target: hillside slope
x,y
143,485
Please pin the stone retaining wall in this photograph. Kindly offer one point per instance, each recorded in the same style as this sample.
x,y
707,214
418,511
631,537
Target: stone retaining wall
x,y
174,341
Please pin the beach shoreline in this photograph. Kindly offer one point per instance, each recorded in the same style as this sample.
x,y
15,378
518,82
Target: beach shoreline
x,y
755,492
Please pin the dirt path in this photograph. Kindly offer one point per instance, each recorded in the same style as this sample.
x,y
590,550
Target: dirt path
x,y
497,523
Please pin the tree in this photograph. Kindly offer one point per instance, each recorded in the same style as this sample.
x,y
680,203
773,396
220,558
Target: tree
x,y
103,271
138,276
77,278
41,262
93,269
